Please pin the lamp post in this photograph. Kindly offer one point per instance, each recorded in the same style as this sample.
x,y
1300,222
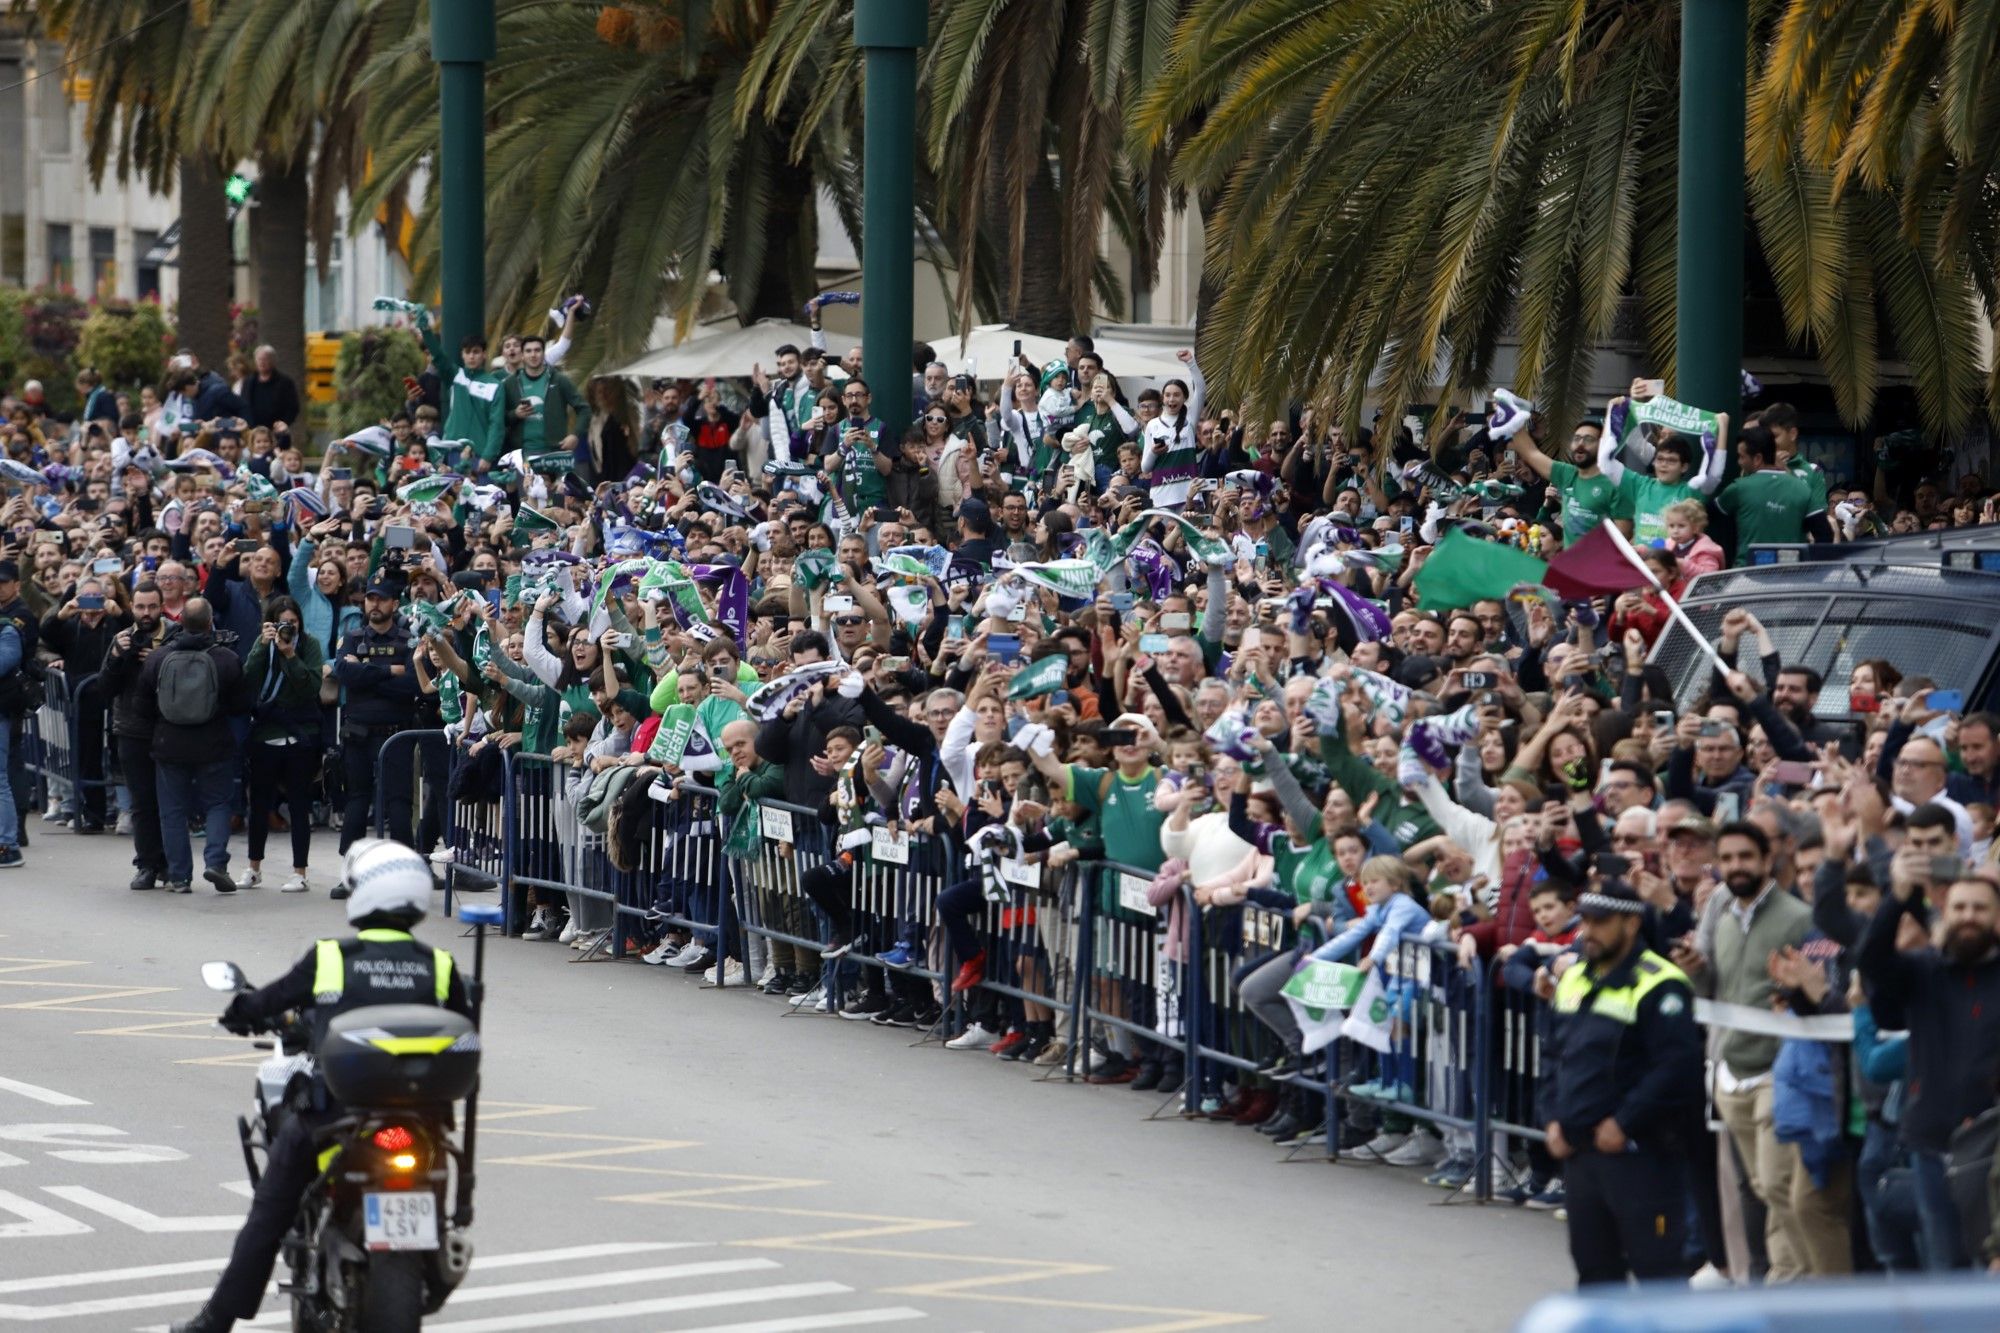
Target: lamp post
x,y
889,32
462,41
1708,260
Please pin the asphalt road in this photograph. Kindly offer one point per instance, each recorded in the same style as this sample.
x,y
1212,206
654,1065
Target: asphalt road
x,y
659,1157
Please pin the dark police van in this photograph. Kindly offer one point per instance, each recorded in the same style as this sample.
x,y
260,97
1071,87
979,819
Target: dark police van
x,y
1929,603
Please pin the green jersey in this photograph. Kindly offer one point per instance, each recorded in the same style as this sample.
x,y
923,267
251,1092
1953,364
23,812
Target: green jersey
x,y
1586,501
1106,432
1812,475
1309,872
1645,499
1770,506
1127,820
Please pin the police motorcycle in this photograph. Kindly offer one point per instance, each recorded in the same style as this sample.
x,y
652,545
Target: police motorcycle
x,y
372,1247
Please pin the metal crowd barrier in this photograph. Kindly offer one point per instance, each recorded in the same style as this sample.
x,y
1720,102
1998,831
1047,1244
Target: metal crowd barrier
x,y
470,833
1030,940
55,739
1125,980
893,899
681,877
1235,942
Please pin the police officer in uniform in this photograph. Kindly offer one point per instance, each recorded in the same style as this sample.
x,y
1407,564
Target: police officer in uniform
x,y
373,663
389,891
1625,1094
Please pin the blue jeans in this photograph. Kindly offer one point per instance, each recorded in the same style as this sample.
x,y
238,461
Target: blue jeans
x,y
1894,1248
10,825
1937,1215
188,789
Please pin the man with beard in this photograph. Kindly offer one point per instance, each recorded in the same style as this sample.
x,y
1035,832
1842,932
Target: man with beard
x,y
1588,496
1948,999
119,679
1796,694
1743,928
1625,1095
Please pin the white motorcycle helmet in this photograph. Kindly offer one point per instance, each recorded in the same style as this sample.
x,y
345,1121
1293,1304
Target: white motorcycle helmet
x,y
385,878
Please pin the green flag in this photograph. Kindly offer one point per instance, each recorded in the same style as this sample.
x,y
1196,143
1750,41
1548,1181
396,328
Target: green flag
x,y
1462,570
427,490
1041,677
1067,578
1320,994
811,569
534,520
1209,550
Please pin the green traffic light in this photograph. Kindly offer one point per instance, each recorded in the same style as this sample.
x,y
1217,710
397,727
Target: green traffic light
x,y
237,188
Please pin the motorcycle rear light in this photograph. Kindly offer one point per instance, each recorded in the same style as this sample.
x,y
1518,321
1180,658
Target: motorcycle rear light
x,y
395,1139
404,1161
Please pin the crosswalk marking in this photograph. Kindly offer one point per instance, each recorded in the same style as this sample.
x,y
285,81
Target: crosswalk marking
x,y
470,1295
660,1305
37,1219
800,1324
56,1281
138,1218
30,1314
46,1096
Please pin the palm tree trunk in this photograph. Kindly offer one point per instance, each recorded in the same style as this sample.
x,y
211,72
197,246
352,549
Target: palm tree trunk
x,y
278,260
787,280
207,261
1044,306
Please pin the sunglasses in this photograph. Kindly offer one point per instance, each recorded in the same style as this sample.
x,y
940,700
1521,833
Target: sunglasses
x,y
937,421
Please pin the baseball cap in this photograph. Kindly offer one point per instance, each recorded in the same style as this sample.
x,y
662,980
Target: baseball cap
x,y
9,572
1694,826
382,586
1417,671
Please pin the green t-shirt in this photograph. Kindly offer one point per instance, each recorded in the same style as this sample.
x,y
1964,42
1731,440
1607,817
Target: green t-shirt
x,y
1586,501
1770,506
1644,499
1813,475
667,692
1309,872
1126,817
1106,434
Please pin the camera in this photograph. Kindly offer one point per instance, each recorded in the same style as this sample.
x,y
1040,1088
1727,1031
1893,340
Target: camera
x,y
287,631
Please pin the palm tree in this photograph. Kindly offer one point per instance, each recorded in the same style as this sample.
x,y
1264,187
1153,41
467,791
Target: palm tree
x,y
136,54
1889,103
1400,182
278,81
1024,152
614,167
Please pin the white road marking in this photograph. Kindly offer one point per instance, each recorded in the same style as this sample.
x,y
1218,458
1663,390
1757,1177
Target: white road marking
x,y
469,1295
480,1263
37,1219
138,1218
29,1314
58,1280
46,1096
242,1187
660,1305
846,1319
83,1143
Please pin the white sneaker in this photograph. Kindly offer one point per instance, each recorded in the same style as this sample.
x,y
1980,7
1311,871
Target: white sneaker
x,y
976,1037
586,940
252,879
731,969
814,999
769,975
124,829
1385,1143
296,884
695,955
1709,1278
662,951
1421,1150
1099,1057
824,1004
569,932
541,925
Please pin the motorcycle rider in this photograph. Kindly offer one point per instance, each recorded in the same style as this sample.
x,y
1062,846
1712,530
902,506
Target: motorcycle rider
x,y
389,891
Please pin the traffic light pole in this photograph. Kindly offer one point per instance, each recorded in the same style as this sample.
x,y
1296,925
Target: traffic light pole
x,y
889,31
462,41
1708,284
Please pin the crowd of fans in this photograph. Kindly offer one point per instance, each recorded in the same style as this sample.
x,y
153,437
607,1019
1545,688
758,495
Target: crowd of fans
x,y
1079,621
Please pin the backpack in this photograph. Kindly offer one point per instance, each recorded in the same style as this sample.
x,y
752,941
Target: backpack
x,y
189,692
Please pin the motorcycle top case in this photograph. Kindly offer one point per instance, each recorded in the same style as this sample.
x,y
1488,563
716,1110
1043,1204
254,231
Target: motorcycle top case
x,y
399,1055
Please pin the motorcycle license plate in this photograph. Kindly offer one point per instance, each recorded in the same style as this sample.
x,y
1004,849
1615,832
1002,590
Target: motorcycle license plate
x,y
401,1221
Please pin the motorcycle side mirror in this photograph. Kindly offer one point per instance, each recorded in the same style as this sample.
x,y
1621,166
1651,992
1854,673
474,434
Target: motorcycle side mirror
x,y
223,977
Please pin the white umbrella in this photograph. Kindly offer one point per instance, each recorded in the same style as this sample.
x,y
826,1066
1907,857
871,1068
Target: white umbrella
x,y
721,348
991,348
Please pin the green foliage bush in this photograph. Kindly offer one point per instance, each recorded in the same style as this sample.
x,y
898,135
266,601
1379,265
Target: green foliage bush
x,y
368,375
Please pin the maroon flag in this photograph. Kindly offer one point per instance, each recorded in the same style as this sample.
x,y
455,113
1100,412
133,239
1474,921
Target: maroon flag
x,y
1594,567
